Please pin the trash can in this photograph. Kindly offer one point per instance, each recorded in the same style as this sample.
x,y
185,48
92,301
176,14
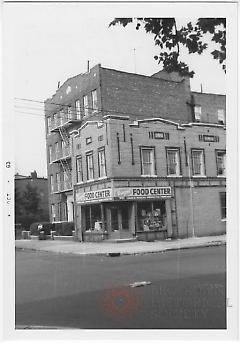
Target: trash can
x,y
42,235
25,234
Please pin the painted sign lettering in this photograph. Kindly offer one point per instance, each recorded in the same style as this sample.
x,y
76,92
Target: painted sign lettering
x,y
142,192
103,194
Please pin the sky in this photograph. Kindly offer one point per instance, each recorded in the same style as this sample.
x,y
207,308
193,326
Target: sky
x,y
52,42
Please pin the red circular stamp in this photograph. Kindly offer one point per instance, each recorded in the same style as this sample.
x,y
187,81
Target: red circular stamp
x,y
120,302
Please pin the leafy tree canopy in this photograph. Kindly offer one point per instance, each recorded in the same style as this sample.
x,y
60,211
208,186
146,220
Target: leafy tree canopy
x,y
169,38
31,199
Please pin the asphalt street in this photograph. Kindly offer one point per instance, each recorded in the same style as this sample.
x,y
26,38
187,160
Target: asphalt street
x,y
187,290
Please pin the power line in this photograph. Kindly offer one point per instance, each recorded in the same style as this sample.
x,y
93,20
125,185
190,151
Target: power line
x,y
88,108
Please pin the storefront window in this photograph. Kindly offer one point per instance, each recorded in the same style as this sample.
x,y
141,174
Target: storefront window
x,y
152,216
93,218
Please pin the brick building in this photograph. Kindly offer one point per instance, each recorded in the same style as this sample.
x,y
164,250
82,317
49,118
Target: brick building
x,y
106,128
150,176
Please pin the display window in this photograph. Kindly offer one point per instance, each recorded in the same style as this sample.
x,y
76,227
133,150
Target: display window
x,y
151,216
93,218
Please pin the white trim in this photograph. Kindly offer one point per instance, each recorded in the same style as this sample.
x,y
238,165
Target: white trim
x,y
166,121
223,219
102,177
204,124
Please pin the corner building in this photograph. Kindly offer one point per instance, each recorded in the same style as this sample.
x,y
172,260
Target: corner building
x,y
136,156
151,178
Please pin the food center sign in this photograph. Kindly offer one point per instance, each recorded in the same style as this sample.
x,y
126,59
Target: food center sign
x,y
99,195
110,194
142,192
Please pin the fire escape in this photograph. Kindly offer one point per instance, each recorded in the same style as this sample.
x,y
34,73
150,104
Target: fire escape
x,y
60,126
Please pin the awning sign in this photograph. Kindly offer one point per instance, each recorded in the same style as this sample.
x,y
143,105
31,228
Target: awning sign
x,y
98,195
142,192
110,194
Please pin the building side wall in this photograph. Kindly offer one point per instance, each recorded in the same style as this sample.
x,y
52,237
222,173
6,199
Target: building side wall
x,y
210,103
141,96
204,211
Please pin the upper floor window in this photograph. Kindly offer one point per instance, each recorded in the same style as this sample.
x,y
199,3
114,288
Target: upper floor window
x,y
48,124
56,149
221,162
62,117
54,120
58,181
198,162
173,162
221,116
148,161
90,168
50,153
51,184
94,100
53,213
69,112
78,109
101,163
79,169
197,113
85,105
223,205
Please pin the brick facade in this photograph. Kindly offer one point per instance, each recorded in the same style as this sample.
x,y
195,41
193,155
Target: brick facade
x,y
192,196
134,98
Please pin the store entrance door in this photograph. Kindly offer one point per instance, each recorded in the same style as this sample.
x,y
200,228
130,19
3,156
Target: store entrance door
x,y
120,221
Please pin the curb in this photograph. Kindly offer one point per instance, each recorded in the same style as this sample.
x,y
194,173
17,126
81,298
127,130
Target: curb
x,y
117,254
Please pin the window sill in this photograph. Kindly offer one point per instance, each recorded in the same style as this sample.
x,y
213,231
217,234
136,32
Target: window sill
x,y
221,176
224,220
102,177
91,180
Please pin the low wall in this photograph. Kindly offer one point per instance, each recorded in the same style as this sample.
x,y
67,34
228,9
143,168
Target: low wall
x,y
94,236
151,235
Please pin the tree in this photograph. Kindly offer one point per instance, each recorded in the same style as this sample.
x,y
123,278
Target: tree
x,y
170,39
31,200
18,205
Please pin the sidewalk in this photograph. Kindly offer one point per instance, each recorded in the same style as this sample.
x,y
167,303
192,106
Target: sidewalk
x,y
130,248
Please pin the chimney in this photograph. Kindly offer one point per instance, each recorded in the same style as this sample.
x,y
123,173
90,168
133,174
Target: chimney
x,y
88,66
34,175
58,84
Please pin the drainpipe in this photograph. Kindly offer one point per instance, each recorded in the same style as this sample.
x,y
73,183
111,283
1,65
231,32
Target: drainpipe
x,y
191,196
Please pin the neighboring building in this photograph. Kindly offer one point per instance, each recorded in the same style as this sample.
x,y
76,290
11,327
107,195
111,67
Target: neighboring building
x,y
117,101
41,186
